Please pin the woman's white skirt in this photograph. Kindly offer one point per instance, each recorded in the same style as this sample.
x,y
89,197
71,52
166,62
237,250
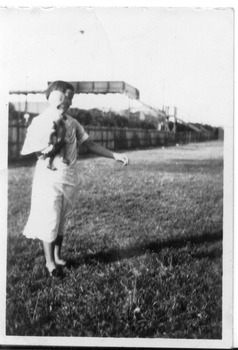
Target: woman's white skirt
x,y
54,194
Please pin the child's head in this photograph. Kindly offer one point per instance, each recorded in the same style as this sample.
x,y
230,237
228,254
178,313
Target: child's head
x,y
60,95
59,85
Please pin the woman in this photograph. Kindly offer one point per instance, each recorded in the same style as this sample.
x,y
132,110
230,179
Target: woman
x,y
54,193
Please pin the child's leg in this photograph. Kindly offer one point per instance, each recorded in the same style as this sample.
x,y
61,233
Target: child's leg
x,y
50,165
49,256
57,251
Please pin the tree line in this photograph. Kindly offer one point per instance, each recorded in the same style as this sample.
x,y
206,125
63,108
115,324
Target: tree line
x,y
96,117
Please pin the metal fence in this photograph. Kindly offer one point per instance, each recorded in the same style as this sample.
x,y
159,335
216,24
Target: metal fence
x,y
114,138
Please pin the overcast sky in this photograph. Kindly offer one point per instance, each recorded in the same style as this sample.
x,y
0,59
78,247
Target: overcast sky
x,y
175,56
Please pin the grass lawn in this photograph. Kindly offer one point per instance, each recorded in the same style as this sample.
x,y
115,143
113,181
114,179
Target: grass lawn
x,y
145,242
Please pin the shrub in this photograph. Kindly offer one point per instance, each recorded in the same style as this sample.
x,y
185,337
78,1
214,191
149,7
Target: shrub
x,y
109,119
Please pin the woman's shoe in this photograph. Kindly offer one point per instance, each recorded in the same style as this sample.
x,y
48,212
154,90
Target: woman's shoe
x,y
56,272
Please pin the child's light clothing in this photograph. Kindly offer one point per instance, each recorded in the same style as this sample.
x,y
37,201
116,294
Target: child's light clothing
x,y
54,193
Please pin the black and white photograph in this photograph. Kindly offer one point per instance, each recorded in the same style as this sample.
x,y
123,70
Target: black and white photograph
x,y
117,176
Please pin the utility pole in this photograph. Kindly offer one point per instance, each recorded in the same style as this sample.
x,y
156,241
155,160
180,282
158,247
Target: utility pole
x,y
166,110
175,119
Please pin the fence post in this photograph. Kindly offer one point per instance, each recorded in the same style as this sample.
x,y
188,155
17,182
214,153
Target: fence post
x,y
18,132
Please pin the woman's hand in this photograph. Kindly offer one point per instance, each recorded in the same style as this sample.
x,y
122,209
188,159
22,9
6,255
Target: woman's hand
x,y
121,157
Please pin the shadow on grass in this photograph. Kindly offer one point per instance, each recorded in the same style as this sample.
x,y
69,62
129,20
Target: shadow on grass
x,y
113,255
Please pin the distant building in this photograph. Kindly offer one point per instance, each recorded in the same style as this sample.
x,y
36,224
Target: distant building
x,y
116,96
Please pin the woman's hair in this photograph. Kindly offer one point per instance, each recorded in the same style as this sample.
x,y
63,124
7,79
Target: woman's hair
x,y
58,85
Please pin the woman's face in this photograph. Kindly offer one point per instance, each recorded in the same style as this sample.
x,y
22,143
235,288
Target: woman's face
x,y
69,94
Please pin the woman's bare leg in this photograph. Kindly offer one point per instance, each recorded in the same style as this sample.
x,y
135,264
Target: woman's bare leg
x,y
57,251
49,255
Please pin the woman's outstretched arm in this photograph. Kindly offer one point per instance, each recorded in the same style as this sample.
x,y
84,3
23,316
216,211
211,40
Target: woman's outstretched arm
x,y
104,152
